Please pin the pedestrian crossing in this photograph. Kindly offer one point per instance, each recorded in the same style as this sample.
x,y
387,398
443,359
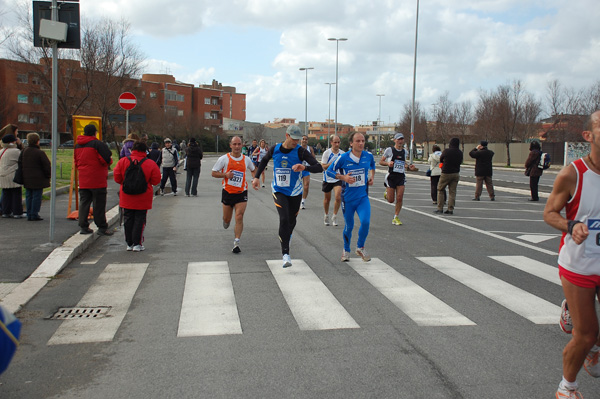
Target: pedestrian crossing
x,y
209,307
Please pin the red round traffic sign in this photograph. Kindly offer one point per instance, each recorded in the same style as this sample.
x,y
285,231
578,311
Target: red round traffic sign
x,y
127,101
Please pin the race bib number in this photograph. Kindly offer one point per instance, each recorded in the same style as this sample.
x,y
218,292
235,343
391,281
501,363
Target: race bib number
x,y
237,179
592,243
398,166
283,177
359,177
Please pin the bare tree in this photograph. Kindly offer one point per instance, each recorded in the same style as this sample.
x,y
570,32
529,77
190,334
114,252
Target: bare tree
x,y
555,97
463,115
529,125
443,116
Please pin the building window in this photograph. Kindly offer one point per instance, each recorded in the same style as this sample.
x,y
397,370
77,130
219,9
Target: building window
x,y
23,118
34,119
152,94
36,80
179,112
22,99
22,78
37,100
215,101
207,100
207,115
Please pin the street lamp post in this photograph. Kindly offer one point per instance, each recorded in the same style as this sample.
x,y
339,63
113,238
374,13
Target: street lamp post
x,y
379,121
306,101
412,115
337,45
329,114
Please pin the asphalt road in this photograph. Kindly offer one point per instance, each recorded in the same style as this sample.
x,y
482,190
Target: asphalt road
x,y
462,306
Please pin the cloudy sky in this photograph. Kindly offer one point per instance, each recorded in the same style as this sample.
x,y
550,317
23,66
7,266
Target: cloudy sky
x,y
464,46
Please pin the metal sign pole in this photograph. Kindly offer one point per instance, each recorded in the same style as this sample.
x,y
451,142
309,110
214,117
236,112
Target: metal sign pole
x,y
126,123
54,136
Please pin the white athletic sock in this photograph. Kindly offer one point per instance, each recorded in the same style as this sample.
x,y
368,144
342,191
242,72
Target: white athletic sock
x,y
571,386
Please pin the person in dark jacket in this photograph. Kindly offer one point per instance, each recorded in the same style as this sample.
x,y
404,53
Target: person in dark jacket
x,y
92,159
135,206
483,169
532,170
450,161
193,156
154,153
36,175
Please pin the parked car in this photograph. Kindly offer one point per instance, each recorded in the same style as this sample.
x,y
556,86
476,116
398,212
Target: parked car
x,y
67,144
45,143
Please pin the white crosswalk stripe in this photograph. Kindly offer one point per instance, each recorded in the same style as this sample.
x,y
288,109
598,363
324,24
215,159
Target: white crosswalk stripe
x,y
314,307
115,287
519,301
208,306
531,266
418,304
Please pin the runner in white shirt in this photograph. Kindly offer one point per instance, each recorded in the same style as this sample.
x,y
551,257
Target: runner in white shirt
x,y
577,190
329,183
305,173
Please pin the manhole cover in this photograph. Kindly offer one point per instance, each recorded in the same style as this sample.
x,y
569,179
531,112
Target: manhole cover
x,y
81,313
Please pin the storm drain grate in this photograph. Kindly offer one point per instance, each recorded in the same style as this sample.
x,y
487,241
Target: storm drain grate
x,y
81,313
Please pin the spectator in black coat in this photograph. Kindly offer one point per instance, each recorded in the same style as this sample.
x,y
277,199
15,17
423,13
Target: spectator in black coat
x,y
532,170
483,170
450,161
36,175
154,153
192,165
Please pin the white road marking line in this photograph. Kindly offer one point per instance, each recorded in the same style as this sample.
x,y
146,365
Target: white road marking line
x,y
208,306
418,304
531,266
536,238
314,307
115,287
533,308
92,260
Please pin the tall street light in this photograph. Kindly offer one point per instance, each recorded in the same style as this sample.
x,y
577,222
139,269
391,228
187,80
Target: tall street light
x,y
306,101
379,121
337,45
412,115
329,117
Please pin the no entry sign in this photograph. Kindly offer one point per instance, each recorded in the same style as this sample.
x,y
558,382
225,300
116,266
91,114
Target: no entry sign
x,y
127,101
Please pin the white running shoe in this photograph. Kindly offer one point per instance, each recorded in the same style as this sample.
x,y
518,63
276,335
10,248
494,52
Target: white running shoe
x,y
236,246
345,256
302,205
591,364
563,393
363,254
287,261
565,322
334,220
130,247
326,220
138,248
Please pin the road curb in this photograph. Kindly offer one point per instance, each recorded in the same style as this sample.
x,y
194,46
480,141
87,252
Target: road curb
x,y
52,265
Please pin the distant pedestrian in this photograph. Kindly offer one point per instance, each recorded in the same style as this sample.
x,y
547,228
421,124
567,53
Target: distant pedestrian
x,y
135,206
169,161
128,145
193,164
12,198
92,159
330,183
183,147
451,159
483,170
305,173
436,172
532,170
154,153
36,175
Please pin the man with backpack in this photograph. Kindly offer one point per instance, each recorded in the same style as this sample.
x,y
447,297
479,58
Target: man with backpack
x,y
137,178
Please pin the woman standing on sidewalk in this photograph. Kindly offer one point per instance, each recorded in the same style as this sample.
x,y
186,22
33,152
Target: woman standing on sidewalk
x,y
12,197
532,170
36,175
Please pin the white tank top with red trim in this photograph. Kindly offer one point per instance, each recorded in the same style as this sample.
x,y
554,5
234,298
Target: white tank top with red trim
x,y
584,206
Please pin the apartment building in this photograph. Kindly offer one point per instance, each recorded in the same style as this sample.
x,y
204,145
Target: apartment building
x,y
168,106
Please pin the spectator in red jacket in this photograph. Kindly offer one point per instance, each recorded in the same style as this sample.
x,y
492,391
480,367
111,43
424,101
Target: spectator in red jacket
x,y
92,159
135,206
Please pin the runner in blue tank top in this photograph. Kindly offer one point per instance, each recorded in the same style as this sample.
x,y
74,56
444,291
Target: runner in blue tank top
x,y
356,169
287,183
